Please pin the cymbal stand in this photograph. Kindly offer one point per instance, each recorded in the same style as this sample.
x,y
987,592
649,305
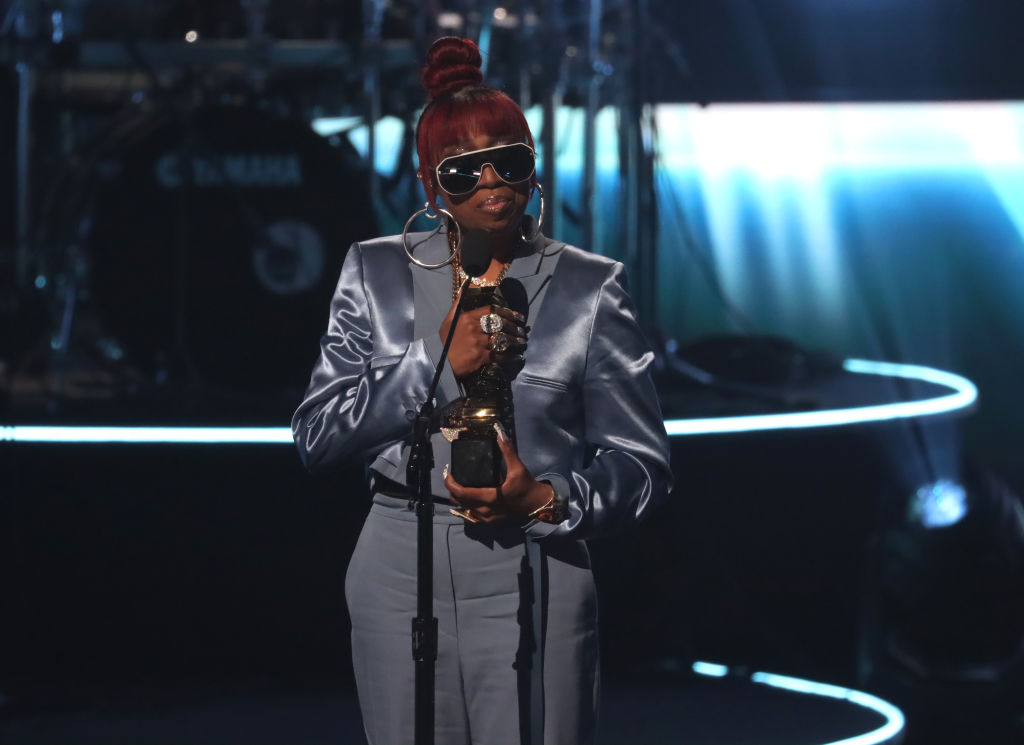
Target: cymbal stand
x,y
373,12
19,23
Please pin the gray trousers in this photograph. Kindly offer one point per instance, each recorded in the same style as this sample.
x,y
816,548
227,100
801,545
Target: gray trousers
x,y
483,600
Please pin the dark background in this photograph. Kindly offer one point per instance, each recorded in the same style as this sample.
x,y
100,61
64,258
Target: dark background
x,y
134,576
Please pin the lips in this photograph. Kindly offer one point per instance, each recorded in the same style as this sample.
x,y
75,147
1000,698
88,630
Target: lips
x,y
495,204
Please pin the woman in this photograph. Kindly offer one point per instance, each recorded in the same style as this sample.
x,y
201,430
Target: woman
x,y
514,595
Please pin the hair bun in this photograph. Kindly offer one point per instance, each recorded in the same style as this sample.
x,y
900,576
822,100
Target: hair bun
x,y
452,63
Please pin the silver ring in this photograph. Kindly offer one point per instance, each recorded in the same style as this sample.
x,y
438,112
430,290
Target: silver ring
x,y
491,323
500,342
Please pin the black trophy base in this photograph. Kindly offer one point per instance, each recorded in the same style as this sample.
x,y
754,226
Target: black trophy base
x,y
477,461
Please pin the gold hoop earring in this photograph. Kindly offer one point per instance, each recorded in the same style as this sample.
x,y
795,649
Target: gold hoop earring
x,y
529,218
436,216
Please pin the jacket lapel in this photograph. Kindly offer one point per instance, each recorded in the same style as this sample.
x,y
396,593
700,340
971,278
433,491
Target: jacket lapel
x,y
533,268
435,285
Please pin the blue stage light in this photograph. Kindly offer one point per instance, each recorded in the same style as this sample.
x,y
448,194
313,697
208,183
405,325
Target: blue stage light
x,y
895,721
964,395
939,505
888,732
710,669
169,435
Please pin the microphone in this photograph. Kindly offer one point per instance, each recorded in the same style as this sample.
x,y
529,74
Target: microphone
x,y
475,251
515,296
476,459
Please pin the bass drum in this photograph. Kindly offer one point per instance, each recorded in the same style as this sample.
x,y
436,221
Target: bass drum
x,y
217,238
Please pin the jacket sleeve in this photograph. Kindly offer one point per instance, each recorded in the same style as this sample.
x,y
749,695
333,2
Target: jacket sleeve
x,y
629,472
358,401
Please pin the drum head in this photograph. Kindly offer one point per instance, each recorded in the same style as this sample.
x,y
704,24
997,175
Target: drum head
x,y
217,238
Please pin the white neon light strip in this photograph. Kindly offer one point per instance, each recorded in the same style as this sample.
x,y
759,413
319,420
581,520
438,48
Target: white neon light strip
x,y
198,435
710,669
894,719
964,394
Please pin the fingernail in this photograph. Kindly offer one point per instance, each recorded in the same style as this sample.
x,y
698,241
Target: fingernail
x,y
444,472
501,432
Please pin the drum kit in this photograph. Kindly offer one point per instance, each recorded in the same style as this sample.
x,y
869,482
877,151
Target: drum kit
x,y
179,222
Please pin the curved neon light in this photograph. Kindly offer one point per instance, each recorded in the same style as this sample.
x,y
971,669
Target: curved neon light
x,y
894,719
964,394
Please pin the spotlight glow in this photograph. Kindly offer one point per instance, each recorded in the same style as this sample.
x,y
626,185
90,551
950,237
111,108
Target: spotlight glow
x,y
939,505
388,133
964,394
797,140
449,20
325,126
888,732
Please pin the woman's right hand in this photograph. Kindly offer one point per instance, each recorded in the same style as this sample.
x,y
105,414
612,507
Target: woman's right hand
x,y
471,345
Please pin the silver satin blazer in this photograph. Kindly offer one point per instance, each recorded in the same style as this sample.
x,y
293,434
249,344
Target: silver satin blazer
x,y
587,416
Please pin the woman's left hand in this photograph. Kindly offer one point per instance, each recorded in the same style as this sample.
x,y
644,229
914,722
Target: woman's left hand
x,y
517,496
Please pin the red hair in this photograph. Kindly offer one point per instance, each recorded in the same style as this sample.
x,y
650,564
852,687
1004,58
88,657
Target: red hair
x,y
460,105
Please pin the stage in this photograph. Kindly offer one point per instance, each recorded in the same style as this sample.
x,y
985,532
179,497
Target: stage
x,y
192,593
690,711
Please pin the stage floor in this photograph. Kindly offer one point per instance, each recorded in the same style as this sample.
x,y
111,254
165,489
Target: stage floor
x,y
148,587
696,710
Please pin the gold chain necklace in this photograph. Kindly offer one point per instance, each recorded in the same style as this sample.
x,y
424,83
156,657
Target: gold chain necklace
x,y
459,276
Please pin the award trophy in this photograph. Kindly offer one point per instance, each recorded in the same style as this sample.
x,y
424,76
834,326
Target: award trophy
x,y
469,422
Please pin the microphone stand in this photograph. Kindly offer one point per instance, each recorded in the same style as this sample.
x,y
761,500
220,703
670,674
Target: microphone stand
x,y
417,476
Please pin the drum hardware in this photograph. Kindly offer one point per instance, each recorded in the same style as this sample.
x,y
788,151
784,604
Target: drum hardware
x,y
201,249
209,55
